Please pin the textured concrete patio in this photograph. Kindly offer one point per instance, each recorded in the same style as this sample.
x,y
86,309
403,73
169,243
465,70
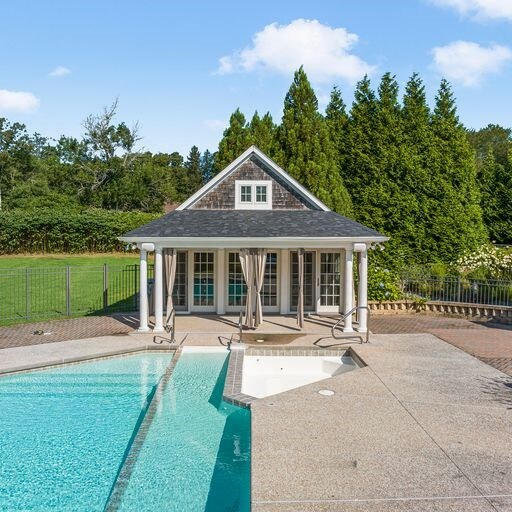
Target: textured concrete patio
x,y
423,427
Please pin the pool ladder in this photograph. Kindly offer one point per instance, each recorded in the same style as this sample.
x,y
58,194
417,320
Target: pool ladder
x,y
336,326
170,328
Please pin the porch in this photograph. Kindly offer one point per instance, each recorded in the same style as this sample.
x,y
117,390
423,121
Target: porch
x,y
299,290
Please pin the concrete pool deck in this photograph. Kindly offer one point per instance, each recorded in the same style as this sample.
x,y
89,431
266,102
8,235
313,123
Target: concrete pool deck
x,y
424,427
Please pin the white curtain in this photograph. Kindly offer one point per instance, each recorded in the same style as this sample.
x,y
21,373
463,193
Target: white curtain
x,y
260,259
246,261
300,298
169,276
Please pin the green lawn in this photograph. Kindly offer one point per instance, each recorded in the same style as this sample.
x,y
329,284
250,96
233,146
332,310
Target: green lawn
x,y
40,287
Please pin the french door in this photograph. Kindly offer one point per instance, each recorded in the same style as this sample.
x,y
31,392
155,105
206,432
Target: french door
x,y
322,281
309,290
329,282
237,289
203,281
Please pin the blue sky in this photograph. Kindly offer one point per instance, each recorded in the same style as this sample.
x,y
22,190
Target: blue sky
x,y
181,68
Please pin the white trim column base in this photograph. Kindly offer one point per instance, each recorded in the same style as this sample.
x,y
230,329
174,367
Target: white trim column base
x,y
158,287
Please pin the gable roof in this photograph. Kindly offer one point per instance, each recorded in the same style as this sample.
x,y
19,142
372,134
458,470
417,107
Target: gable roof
x,y
253,150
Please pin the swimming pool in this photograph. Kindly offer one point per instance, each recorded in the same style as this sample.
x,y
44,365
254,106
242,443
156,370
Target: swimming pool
x,y
67,433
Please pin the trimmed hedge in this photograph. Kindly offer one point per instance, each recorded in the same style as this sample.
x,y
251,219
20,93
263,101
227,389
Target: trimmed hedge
x,y
66,230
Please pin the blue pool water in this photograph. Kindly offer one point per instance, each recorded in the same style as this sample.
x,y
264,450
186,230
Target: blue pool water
x,y
65,434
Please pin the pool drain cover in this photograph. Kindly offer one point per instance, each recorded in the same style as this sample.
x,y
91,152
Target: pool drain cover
x,y
326,392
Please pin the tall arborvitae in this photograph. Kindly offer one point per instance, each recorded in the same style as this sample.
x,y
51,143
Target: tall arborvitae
x,y
457,223
495,181
236,139
360,167
207,166
193,166
337,124
417,176
308,153
263,132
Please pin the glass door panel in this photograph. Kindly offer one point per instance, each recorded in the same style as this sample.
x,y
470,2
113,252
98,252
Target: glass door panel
x,y
309,280
237,289
180,292
330,279
270,288
204,279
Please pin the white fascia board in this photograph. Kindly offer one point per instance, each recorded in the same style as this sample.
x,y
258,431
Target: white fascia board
x,y
255,242
235,163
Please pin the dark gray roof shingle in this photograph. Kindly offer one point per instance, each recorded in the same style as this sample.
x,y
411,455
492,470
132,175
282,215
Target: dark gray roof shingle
x,y
252,223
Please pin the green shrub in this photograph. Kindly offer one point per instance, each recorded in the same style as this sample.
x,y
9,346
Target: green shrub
x,y
383,284
66,230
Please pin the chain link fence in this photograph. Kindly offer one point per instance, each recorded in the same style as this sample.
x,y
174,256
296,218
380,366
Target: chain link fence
x,y
44,293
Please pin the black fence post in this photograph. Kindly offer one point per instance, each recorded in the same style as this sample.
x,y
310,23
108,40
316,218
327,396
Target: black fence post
x,y
105,287
68,290
27,294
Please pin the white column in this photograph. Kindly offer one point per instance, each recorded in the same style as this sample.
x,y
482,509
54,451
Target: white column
x,y
349,284
362,291
159,291
221,282
143,292
284,283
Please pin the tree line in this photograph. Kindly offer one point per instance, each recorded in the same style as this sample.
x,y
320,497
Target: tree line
x,y
393,163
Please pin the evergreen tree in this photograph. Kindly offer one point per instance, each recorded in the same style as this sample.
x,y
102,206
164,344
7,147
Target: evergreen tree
x,y
236,139
307,151
495,180
193,166
207,166
457,224
337,124
360,165
263,132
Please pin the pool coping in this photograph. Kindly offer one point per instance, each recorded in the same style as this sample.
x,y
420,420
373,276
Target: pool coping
x,y
233,394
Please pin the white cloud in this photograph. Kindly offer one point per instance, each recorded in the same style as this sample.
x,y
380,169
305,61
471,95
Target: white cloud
x,y
215,124
324,51
468,63
480,9
59,71
17,101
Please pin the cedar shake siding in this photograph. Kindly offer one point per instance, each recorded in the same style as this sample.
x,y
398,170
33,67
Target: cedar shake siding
x,y
222,196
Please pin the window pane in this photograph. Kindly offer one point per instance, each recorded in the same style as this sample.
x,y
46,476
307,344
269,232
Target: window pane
x,y
245,194
261,193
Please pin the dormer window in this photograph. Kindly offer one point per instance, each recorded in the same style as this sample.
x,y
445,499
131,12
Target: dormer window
x,y
253,195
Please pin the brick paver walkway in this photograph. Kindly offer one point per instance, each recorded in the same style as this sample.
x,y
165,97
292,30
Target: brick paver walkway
x,y
62,330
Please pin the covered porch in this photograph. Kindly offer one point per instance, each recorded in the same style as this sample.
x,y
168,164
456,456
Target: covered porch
x,y
301,287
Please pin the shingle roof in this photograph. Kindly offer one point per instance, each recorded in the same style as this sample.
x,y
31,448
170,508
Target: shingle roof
x,y
252,223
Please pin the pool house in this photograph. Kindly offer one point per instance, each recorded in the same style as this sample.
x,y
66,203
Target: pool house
x,y
254,240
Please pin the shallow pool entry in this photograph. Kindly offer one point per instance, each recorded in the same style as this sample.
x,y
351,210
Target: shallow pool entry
x,y
265,375
116,434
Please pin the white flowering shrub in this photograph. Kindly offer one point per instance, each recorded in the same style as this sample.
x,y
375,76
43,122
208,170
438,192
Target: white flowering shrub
x,y
487,262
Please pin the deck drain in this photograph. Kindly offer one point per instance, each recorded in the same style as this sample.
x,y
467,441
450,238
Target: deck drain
x,y
326,392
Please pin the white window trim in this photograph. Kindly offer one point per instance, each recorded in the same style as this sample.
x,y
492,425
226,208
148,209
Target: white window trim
x,y
253,205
